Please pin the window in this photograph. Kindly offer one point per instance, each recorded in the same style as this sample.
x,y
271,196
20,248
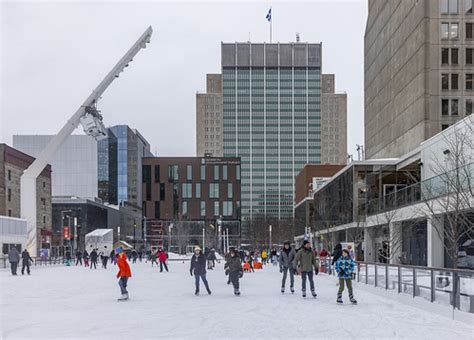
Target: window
x,y
444,126
468,106
157,173
157,209
184,208
230,190
187,190
9,212
9,175
454,107
216,172
224,172
469,81
213,190
454,81
43,202
203,172
468,6
469,56
454,56
445,81
162,191
227,208
44,185
237,172
448,6
444,56
189,172
9,195
454,31
173,172
198,190
444,30
444,6
44,219
216,208
469,30
203,208
445,107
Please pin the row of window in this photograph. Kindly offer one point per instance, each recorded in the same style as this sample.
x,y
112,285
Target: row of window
x,y
227,208
452,6
450,106
217,171
450,30
450,81
450,56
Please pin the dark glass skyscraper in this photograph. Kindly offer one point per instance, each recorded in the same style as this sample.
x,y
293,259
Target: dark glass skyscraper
x,y
271,119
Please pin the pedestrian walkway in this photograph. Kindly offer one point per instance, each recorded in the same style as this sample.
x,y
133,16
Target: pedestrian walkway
x,y
74,301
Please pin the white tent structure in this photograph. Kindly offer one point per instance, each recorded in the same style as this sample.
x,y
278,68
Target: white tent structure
x,y
100,239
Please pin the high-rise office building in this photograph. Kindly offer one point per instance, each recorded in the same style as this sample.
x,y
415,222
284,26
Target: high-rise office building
x,y
209,127
419,71
272,120
333,122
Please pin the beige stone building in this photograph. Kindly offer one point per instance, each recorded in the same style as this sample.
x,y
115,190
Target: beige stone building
x,y
209,125
333,122
419,71
12,165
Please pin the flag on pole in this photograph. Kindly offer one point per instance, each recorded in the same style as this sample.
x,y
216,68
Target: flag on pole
x,y
269,15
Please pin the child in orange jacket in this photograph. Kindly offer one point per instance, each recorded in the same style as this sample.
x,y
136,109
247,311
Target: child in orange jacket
x,y
124,272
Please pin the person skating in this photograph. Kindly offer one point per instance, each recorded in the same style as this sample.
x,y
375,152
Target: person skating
x,y
233,268
13,258
344,268
85,257
68,258
305,261
162,257
25,262
211,259
286,258
112,257
123,274
134,256
153,257
78,257
105,260
93,258
198,269
264,256
250,260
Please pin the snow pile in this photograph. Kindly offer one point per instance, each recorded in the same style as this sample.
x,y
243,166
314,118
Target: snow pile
x,y
76,302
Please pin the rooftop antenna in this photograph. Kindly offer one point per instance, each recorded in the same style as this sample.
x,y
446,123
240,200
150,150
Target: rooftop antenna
x,y
297,37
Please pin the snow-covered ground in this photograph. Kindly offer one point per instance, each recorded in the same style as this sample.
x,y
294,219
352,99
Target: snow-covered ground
x,y
74,302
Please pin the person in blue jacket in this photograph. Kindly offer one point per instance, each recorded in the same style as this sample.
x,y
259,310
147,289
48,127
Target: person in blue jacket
x,y
344,268
198,269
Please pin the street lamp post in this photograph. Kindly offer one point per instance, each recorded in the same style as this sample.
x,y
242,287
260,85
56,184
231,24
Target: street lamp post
x,y
203,237
144,231
169,236
75,234
134,234
270,232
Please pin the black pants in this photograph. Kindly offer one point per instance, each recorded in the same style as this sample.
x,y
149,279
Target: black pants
x,y
94,263
25,264
78,260
234,278
105,259
161,266
123,285
13,266
310,278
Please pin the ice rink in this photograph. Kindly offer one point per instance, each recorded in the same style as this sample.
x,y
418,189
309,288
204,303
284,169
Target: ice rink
x,y
73,302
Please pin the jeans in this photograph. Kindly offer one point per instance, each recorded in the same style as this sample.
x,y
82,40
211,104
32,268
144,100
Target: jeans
x,y
292,277
341,287
13,267
234,278
161,266
204,280
310,278
123,285
25,264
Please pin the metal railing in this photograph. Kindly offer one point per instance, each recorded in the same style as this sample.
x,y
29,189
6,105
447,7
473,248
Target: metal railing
x,y
446,286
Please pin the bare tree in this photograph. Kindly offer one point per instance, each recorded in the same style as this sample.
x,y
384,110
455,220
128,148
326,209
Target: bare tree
x,y
448,192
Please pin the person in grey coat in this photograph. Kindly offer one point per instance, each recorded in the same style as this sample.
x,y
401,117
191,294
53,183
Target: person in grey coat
x,y
286,258
14,258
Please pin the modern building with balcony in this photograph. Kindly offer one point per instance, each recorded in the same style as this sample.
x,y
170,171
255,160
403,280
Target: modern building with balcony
x,y
417,209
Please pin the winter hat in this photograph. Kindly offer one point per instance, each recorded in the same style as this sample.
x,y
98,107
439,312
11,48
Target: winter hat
x,y
197,248
118,250
305,242
287,242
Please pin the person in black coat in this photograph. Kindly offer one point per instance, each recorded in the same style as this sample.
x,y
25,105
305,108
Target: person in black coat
x,y
198,268
78,257
25,262
337,253
93,257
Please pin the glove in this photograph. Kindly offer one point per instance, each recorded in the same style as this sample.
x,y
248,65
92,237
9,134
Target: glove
x,y
227,272
241,274
191,272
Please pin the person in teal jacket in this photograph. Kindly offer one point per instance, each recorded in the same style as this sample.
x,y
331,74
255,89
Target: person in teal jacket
x,y
344,268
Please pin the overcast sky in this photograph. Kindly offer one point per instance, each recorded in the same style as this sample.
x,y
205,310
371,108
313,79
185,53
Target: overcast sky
x,y
53,54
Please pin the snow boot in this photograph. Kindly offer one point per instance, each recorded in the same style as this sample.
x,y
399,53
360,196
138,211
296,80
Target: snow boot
x,y
339,299
292,290
314,293
353,301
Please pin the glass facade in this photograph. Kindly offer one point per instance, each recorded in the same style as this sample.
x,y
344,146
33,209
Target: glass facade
x,y
272,120
121,134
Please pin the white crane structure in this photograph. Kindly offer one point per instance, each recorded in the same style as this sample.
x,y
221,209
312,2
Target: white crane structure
x,y
91,121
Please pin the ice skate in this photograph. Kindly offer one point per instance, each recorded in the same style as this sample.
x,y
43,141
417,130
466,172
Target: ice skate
x,y
209,291
313,293
339,299
353,301
283,290
236,292
304,293
196,292
292,290
124,297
